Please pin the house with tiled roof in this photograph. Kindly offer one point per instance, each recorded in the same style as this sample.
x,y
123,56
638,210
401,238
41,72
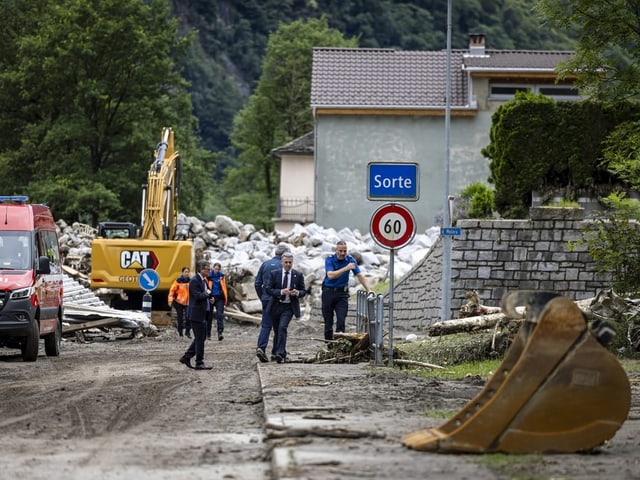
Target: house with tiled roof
x,y
384,105
296,201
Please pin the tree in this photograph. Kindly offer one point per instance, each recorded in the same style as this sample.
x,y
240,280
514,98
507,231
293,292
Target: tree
x,y
86,89
277,112
608,46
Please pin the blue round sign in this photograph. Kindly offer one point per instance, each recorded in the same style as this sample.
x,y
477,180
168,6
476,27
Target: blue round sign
x,y
148,279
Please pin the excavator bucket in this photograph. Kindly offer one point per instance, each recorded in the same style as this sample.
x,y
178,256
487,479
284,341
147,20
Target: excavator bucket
x,y
557,390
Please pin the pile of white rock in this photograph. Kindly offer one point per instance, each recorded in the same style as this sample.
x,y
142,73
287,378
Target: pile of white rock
x,y
241,249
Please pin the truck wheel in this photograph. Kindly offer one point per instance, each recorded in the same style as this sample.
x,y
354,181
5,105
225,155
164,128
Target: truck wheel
x,y
31,343
52,342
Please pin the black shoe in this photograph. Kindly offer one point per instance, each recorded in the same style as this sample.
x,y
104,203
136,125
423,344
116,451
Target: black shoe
x,y
279,359
273,358
202,366
261,355
186,361
220,337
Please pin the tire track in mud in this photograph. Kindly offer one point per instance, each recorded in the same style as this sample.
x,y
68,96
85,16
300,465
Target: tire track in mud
x,y
86,402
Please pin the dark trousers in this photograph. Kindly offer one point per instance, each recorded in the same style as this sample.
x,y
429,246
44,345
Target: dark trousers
x,y
281,314
196,349
266,325
219,306
183,320
337,302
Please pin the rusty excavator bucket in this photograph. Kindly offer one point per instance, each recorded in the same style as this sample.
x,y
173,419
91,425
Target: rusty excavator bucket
x,y
557,390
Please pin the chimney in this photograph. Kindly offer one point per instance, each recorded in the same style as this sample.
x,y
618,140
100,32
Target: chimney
x,y
476,44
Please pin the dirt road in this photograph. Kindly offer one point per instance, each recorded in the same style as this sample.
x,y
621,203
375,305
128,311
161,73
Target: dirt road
x,y
127,409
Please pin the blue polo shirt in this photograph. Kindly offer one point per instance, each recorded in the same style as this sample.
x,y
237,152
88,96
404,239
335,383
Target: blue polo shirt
x,y
331,264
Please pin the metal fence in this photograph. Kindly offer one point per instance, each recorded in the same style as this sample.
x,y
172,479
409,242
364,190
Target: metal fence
x,y
370,318
299,209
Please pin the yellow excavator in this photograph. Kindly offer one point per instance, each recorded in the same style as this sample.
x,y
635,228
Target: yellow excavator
x,y
558,389
123,250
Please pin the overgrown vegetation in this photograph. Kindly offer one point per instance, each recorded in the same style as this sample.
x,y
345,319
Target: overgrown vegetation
x,y
613,241
476,201
526,152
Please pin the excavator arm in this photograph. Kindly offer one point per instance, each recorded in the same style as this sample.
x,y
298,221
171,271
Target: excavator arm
x,y
160,195
122,251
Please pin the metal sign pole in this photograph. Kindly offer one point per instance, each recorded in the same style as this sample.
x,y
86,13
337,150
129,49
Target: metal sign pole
x,y
445,313
391,282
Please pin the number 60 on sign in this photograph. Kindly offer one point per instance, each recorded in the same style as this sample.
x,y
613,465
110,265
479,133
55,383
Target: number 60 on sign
x,y
392,226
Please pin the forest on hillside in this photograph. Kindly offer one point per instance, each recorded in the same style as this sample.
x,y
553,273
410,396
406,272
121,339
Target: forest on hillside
x,y
86,86
226,57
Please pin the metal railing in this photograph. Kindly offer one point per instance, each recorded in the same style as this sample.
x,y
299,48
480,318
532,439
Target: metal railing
x,y
370,318
300,209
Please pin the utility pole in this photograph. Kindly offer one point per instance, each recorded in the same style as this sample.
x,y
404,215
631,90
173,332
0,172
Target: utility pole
x,y
445,313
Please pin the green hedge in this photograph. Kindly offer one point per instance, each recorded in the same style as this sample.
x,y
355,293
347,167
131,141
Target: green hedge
x,y
539,144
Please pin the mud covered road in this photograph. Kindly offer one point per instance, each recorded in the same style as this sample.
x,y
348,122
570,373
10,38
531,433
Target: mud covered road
x,y
127,409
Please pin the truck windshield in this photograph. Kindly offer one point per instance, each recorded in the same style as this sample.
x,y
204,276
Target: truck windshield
x,y
15,251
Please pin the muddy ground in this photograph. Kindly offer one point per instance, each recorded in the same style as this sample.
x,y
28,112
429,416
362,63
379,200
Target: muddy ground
x,y
127,409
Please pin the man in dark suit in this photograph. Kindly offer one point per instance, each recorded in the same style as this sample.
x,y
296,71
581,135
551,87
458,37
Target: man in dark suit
x,y
285,287
199,305
266,325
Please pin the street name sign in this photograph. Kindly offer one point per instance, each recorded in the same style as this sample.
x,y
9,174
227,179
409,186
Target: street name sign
x,y
451,231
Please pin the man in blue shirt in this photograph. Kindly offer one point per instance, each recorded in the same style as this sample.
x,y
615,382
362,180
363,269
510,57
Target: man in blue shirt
x,y
335,288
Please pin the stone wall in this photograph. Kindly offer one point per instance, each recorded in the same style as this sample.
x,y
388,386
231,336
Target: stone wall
x,y
497,256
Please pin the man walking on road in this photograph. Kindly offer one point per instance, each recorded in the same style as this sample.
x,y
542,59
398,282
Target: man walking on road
x,y
260,284
286,287
335,288
199,305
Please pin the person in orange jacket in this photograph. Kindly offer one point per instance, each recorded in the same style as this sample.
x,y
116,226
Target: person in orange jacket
x,y
179,299
219,298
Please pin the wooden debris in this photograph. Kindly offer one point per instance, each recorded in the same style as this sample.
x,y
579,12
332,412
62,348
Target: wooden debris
x,y
241,316
415,363
103,322
473,307
470,324
282,431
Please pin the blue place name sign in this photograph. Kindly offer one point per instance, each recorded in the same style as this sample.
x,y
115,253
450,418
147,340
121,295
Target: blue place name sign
x,y
393,181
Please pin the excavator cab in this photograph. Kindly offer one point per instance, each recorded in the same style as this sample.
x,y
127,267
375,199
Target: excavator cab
x,y
558,389
117,230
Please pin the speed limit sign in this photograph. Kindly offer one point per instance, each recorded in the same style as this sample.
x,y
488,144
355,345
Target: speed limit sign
x,y
392,226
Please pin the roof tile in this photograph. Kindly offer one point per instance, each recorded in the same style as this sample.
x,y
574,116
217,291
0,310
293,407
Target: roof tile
x,y
386,78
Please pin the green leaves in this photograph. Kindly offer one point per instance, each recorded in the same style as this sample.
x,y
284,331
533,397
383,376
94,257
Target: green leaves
x,y
613,241
87,87
277,112
608,52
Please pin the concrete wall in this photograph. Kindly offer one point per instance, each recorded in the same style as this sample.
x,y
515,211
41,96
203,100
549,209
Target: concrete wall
x,y
497,256
345,145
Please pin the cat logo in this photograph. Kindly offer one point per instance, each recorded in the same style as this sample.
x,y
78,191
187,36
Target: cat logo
x,y
138,260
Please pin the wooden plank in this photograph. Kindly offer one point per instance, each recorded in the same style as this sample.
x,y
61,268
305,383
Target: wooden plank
x,y
103,322
241,316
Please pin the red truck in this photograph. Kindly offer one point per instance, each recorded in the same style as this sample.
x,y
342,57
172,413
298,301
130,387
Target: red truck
x,y
31,282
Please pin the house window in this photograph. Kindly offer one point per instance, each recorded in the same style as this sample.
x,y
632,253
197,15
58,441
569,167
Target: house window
x,y
502,91
559,92
506,92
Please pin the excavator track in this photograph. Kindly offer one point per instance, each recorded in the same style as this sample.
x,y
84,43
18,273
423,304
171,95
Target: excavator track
x,y
557,390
